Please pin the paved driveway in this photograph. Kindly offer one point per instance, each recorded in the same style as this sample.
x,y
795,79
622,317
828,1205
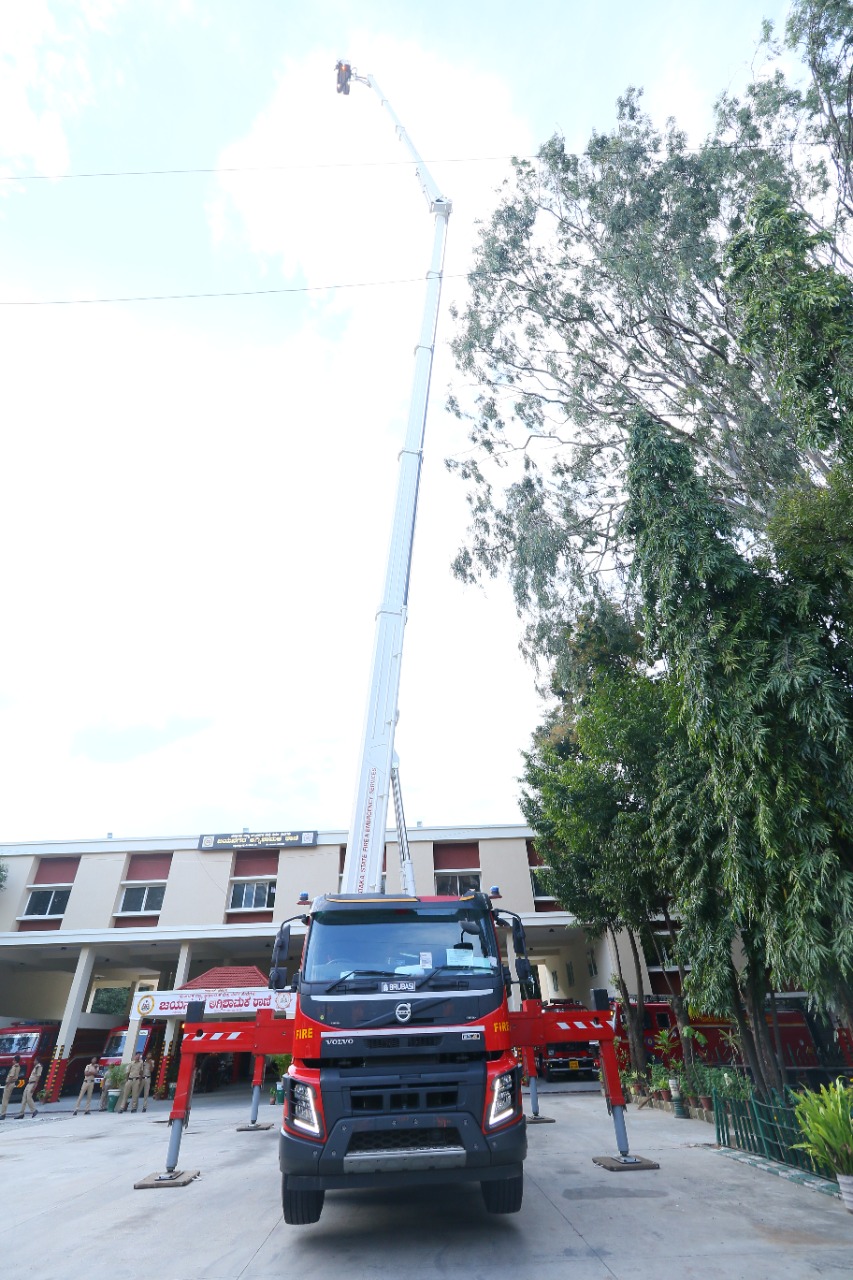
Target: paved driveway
x,y
70,1212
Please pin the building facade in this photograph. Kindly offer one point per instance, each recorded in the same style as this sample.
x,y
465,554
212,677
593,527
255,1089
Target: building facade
x,y
80,919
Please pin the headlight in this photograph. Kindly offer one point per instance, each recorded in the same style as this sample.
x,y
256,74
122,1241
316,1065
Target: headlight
x,y
303,1113
503,1098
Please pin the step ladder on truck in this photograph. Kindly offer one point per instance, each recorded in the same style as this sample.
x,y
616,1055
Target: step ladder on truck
x,y
404,1065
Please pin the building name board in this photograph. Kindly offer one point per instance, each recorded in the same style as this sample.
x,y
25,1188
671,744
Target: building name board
x,y
259,840
217,1000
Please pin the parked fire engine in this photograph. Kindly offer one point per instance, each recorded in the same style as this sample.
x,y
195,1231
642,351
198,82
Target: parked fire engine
x,y
36,1041
811,1051
574,1059
113,1050
402,1042
32,1042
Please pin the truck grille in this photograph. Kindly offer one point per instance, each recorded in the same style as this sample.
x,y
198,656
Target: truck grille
x,y
410,1042
391,1101
404,1140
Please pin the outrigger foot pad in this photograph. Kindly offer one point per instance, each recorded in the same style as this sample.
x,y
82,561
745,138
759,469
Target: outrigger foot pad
x,y
252,1128
180,1178
621,1164
541,1120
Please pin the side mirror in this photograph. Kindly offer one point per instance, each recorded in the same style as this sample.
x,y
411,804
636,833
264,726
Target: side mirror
x,y
523,971
278,980
278,976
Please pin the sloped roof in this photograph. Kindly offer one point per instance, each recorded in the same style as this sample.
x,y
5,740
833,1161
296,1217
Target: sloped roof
x,y
240,975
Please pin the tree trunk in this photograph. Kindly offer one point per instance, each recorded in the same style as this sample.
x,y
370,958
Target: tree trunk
x,y
679,1004
632,1023
777,1037
747,1043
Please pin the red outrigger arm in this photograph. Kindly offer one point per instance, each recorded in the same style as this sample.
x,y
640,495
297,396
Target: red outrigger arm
x,y
535,1025
263,1036
268,1035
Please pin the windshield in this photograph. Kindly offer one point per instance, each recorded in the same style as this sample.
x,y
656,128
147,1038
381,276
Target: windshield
x,y
20,1043
115,1046
410,941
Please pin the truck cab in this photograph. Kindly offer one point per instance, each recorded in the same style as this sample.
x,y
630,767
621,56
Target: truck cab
x,y
402,1062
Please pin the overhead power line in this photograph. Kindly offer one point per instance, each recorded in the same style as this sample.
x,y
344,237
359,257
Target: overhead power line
x,y
252,168
222,293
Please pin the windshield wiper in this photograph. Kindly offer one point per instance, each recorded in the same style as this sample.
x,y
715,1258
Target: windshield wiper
x,y
438,968
360,973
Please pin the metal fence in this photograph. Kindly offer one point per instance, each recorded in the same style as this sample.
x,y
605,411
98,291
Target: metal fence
x,y
766,1129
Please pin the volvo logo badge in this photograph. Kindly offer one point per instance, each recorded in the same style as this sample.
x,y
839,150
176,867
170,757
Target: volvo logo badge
x,y
403,1012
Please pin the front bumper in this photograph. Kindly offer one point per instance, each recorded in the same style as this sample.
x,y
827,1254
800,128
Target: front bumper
x,y
420,1148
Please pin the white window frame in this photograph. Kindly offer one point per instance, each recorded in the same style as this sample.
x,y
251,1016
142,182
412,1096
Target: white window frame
x,y
539,897
253,880
458,871
67,886
140,884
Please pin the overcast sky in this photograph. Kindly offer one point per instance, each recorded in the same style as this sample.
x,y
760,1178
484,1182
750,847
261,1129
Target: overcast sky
x,y
197,494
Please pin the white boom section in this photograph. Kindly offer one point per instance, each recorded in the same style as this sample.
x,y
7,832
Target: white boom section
x,y
366,845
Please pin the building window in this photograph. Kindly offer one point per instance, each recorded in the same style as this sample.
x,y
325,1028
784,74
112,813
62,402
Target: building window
x,y
570,974
457,869
146,898
454,883
590,963
539,890
47,902
252,895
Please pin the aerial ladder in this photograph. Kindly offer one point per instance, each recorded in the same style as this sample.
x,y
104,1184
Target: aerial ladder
x,y
379,776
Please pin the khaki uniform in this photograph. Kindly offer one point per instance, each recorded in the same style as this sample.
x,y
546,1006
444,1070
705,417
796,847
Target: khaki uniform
x,y
88,1087
9,1087
147,1077
131,1087
33,1086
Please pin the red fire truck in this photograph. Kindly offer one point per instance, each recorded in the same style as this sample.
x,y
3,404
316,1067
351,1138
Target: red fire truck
x,y
811,1050
32,1042
117,1039
37,1041
575,1059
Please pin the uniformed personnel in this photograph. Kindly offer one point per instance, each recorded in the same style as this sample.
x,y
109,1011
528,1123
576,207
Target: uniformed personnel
x,y
132,1084
90,1075
33,1086
147,1077
12,1077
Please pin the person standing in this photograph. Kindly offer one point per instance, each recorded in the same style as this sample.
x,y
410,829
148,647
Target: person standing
x,y
132,1084
147,1076
12,1077
33,1086
90,1074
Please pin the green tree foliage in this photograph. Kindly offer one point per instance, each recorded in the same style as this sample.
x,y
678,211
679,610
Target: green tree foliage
x,y
765,708
797,319
599,291
589,786
113,1000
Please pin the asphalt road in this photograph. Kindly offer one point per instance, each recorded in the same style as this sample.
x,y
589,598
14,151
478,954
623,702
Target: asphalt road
x,y
70,1212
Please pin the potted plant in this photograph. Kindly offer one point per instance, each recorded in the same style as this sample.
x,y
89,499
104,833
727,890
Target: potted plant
x,y
115,1078
826,1122
660,1082
281,1061
704,1081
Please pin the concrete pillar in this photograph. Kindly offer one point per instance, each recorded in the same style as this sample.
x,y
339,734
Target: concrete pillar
x,y
173,1025
70,1022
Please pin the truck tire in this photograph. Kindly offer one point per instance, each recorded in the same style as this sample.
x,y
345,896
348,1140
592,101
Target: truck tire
x,y
504,1196
301,1207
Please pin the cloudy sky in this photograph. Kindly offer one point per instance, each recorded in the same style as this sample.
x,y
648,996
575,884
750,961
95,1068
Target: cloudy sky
x,y
197,492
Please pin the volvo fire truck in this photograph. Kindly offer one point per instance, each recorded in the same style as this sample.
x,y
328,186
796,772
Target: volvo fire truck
x,y
403,1068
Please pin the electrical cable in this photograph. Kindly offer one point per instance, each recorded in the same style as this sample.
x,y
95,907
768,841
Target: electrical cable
x,y
224,293
254,168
